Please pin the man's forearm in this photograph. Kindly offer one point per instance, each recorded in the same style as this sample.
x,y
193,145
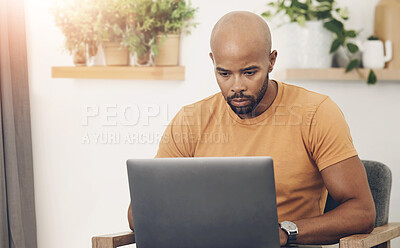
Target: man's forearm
x,y
349,218
130,217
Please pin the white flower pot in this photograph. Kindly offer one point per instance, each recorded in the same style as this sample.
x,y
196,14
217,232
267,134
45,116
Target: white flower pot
x,y
304,47
373,54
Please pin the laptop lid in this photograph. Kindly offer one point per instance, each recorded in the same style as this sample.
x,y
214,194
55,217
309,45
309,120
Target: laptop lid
x,y
204,202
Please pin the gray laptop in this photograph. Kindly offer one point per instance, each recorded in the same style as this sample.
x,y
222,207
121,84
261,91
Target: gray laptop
x,y
204,202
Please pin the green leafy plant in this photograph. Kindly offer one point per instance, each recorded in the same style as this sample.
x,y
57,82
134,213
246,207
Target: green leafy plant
x,y
134,23
309,10
148,18
75,19
112,19
371,76
333,18
173,16
372,79
372,38
140,33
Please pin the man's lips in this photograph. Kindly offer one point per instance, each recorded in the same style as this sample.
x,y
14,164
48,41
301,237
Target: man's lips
x,y
240,102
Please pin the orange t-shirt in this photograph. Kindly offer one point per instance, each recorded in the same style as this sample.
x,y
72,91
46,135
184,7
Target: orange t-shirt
x,y
303,131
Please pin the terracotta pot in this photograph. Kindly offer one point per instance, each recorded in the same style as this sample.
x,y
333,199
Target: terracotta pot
x,y
79,57
169,50
115,54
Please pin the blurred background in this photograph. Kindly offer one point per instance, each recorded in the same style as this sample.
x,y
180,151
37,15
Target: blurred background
x,y
83,133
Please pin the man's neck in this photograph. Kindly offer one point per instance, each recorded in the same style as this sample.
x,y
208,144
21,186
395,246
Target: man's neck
x,y
265,102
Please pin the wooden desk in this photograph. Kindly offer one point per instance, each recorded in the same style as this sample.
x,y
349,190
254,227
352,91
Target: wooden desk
x,y
315,246
379,236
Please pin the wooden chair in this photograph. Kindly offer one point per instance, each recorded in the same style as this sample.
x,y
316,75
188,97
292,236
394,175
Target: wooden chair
x,y
380,182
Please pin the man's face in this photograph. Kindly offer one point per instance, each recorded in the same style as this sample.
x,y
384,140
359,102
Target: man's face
x,y
242,75
244,104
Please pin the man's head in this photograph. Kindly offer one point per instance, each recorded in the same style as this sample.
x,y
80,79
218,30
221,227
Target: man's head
x,y
241,52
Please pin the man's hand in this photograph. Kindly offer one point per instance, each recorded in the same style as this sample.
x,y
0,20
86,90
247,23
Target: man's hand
x,y
283,237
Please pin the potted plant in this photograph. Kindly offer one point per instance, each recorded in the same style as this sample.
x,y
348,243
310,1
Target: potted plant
x,y
154,28
314,19
111,24
330,17
75,21
140,32
172,16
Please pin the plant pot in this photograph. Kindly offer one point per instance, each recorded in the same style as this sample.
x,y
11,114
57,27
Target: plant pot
x,y
99,58
304,47
92,51
169,50
146,59
374,54
115,54
79,56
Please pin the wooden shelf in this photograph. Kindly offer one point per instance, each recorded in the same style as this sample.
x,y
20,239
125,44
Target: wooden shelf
x,y
338,74
120,72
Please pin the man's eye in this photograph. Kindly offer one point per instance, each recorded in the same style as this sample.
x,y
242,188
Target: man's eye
x,y
224,74
250,73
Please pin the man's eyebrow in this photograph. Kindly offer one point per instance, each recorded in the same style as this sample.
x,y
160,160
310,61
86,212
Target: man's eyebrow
x,y
244,69
250,68
222,69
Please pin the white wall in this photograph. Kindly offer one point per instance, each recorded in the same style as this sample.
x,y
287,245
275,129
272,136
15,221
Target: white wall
x,y
81,189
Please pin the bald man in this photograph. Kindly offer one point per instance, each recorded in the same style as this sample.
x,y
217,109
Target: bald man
x,y
303,131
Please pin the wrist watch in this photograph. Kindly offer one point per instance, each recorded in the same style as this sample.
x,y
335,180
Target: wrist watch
x,y
291,229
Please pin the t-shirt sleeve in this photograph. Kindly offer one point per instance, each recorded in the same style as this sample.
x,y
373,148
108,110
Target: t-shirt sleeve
x,y
329,138
177,140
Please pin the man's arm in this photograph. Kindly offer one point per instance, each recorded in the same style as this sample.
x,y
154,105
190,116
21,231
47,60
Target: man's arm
x,y
130,218
347,183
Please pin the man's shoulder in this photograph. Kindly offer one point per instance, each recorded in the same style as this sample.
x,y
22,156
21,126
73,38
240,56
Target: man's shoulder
x,y
296,95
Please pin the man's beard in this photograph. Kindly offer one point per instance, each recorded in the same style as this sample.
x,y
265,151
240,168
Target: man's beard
x,y
254,101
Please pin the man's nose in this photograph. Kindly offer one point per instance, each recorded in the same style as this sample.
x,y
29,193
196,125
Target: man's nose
x,y
238,85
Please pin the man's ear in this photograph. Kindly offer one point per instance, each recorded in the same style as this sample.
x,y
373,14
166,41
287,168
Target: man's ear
x,y
211,56
272,60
